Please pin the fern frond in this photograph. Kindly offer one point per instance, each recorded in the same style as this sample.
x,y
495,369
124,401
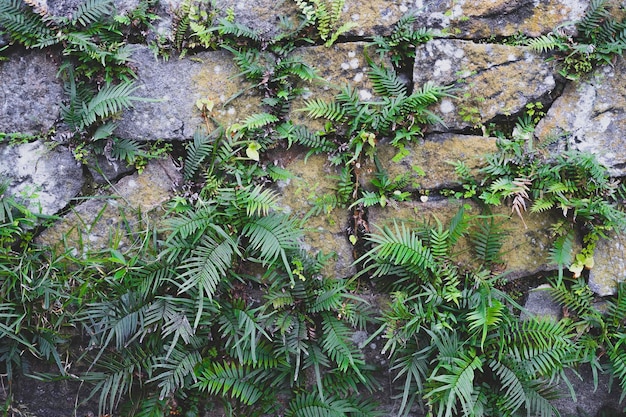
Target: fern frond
x,y
260,201
197,152
92,11
513,395
318,108
226,27
593,18
542,204
126,150
272,236
546,43
399,247
173,371
207,265
25,26
386,82
240,382
310,405
453,384
487,240
110,100
258,120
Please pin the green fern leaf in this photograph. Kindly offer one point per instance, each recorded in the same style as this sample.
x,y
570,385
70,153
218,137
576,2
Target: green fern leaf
x,y
240,382
173,371
318,108
400,247
208,263
258,120
272,236
110,100
386,82
92,11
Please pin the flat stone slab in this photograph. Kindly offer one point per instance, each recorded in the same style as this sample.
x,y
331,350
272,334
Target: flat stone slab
x,y
30,93
175,85
92,224
45,177
492,80
591,114
524,252
426,160
609,265
326,231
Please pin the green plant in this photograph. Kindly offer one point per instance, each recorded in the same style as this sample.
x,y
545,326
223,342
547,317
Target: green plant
x,y
598,38
32,310
356,125
601,328
455,340
399,47
90,36
326,16
572,183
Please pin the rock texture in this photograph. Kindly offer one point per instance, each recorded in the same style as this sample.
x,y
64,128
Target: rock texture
x,y
591,114
492,80
30,93
494,83
174,86
44,176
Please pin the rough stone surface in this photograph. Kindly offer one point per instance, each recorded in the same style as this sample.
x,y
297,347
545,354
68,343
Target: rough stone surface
x,y
540,304
324,232
105,170
592,116
493,80
426,160
176,85
47,178
609,265
483,19
342,64
523,255
92,224
600,401
30,93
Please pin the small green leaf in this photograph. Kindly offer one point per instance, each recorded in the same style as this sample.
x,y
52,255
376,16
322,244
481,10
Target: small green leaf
x,y
252,151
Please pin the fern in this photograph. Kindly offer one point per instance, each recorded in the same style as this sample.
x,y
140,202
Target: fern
x,y
197,152
487,240
175,370
317,108
454,385
226,27
337,346
399,247
240,382
272,236
25,26
208,263
386,82
92,11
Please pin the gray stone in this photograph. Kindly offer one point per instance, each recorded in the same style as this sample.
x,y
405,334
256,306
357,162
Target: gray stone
x,y
590,400
492,80
46,178
426,161
325,232
30,93
591,114
542,305
175,85
92,224
104,170
609,265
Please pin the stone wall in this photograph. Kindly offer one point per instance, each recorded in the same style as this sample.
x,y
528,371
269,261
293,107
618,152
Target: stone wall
x,y
494,81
